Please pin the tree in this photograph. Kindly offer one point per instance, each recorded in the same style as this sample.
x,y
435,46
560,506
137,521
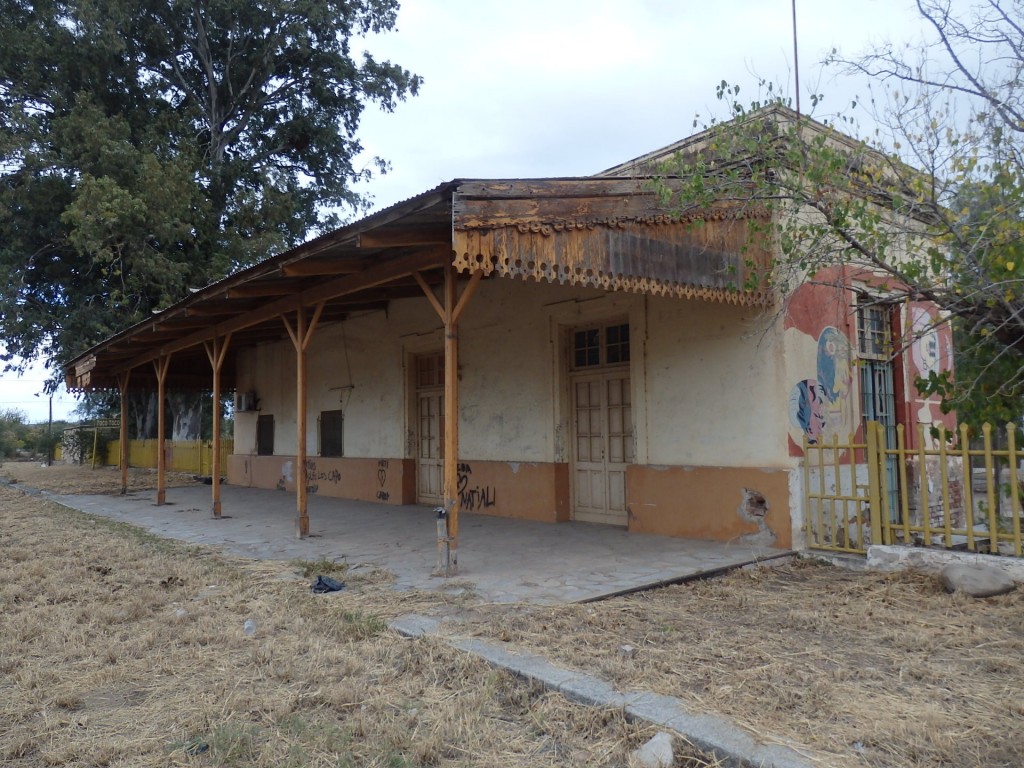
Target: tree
x,y
150,147
930,205
13,433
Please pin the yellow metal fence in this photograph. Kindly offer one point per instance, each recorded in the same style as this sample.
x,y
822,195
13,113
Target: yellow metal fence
x,y
942,493
195,456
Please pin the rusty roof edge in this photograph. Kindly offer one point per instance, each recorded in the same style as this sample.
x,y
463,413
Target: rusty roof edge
x,y
423,201
272,264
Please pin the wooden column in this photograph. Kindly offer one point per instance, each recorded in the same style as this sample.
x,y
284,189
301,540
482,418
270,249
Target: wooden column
x,y
122,385
161,365
301,335
450,313
216,351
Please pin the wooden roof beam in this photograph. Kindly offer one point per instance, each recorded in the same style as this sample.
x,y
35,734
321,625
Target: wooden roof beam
x,y
318,267
373,276
406,236
259,290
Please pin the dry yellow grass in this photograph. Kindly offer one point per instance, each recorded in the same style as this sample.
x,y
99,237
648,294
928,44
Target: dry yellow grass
x,y
874,669
98,664
118,648
75,478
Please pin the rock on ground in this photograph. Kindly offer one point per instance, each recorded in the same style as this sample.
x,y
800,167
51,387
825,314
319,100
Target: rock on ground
x,y
976,580
656,753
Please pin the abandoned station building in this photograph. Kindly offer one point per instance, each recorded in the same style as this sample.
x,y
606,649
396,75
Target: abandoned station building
x,y
606,360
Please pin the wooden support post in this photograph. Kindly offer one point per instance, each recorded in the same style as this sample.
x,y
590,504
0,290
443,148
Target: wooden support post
x,y
161,365
122,385
216,352
450,312
451,416
301,336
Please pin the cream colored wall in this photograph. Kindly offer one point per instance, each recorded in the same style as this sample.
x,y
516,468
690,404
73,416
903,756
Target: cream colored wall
x,y
715,386
362,366
713,382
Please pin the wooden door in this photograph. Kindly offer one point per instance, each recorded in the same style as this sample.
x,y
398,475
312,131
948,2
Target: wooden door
x,y
602,446
430,429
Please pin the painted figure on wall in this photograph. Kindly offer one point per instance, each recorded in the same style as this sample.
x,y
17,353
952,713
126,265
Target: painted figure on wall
x,y
821,407
931,353
808,409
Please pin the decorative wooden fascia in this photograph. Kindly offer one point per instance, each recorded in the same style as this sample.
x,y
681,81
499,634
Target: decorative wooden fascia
x,y
607,236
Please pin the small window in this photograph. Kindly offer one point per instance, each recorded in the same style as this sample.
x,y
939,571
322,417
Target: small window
x,y
587,348
331,430
874,331
430,371
617,344
265,435
600,346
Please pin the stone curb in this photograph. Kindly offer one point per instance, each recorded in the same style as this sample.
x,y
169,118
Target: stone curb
x,y
714,734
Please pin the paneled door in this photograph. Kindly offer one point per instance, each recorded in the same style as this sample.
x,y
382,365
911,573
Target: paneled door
x,y
429,428
602,446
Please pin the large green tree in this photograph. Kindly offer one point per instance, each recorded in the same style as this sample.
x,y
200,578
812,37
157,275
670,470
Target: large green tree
x,y
155,145
931,200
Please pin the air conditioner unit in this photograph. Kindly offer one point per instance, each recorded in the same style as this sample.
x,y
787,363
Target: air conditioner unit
x,y
245,401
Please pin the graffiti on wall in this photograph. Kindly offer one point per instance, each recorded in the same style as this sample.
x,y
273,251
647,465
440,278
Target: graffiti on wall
x,y
382,479
821,407
315,476
473,496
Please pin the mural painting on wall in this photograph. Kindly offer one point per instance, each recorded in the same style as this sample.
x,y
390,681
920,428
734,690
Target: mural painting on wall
x,y
931,351
821,407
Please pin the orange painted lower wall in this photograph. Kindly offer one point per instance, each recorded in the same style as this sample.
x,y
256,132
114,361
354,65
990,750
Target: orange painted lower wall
x,y
389,481
716,503
525,490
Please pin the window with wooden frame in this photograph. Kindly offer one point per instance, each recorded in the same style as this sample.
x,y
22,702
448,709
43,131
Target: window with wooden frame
x,y
604,345
332,430
874,330
265,435
430,370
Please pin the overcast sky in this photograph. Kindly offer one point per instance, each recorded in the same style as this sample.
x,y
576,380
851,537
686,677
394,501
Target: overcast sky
x,y
537,88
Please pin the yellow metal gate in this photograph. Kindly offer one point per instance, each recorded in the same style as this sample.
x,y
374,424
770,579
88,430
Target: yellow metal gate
x,y
943,493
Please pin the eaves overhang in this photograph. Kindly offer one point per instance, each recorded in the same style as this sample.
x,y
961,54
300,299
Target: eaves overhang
x,y
611,233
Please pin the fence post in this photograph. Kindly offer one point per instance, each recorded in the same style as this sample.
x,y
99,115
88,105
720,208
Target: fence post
x,y
874,481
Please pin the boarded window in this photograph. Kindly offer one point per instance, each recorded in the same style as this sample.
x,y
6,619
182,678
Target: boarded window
x,y
593,347
265,435
331,431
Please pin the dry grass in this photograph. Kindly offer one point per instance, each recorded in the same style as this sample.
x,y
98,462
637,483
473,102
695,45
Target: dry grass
x,y
116,650
74,478
119,648
880,670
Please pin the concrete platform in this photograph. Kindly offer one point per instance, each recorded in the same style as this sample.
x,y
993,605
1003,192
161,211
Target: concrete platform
x,y
505,560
